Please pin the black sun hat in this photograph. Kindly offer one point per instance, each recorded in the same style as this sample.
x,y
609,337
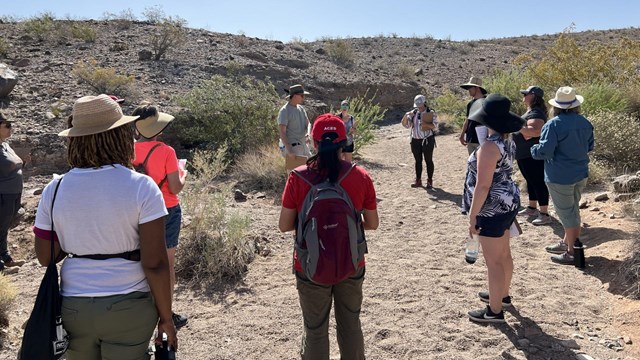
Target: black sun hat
x,y
493,112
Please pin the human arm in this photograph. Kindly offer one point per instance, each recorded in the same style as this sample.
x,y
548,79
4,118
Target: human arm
x,y
406,119
283,137
9,161
287,219
462,136
488,155
532,128
155,264
42,248
370,219
176,181
545,149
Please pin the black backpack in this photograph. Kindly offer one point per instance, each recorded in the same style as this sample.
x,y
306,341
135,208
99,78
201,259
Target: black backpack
x,y
142,167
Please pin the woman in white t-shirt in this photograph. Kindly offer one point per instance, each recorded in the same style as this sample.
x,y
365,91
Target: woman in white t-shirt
x,y
108,221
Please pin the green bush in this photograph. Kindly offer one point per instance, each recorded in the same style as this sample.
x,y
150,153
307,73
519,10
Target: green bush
x,y
366,113
7,296
602,97
42,27
239,111
615,144
103,80
341,52
83,32
214,245
452,106
509,83
169,35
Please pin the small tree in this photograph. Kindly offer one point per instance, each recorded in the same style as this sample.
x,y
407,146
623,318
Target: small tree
x,y
169,35
366,113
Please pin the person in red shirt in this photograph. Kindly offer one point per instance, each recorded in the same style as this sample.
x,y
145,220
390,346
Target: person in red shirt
x,y
329,135
163,167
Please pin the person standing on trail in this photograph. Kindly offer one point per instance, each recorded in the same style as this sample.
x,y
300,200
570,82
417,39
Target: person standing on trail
x,y
533,170
329,136
10,194
163,167
350,126
565,143
422,121
293,124
107,223
469,135
492,198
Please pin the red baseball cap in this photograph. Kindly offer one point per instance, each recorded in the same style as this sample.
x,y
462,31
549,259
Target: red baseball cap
x,y
116,99
326,124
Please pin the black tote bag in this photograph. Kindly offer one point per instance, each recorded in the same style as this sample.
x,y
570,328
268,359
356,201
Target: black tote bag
x,y
44,337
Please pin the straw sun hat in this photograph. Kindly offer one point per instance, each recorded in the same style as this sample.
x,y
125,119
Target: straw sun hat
x,y
153,125
566,98
94,115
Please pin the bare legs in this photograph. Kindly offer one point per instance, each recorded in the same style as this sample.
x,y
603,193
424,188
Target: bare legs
x,y
497,255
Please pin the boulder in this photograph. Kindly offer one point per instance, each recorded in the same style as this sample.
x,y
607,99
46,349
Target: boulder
x,y
144,55
626,183
8,80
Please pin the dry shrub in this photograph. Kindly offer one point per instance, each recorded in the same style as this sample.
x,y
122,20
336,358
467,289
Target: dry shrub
x,y
341,52
4,48
405,71
7,295
630,269
83,32
261,169
103,80
214,245
169,35
615,140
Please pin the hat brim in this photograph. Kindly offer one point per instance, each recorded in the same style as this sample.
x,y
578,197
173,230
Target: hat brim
x,y
577,102
290,95
504,124
84,131
469,85
151,127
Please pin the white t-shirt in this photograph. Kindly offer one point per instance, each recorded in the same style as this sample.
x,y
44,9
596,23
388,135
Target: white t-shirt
x,y
97,211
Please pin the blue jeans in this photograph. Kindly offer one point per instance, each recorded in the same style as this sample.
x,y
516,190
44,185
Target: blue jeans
x,y
172,226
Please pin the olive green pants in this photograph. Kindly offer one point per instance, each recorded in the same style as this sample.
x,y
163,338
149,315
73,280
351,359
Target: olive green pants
x,y
116,327
315,302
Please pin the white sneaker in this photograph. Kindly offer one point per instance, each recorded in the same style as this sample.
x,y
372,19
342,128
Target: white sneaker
x,y
528,212
542,219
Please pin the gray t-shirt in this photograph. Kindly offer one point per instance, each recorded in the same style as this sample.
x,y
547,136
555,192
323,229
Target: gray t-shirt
x,y
10,171
296,120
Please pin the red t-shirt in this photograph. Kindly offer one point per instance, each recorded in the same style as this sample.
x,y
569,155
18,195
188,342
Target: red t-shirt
x,y
162,161
357,184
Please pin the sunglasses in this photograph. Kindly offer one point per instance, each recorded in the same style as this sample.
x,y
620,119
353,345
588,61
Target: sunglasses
x,y
7,125
344,107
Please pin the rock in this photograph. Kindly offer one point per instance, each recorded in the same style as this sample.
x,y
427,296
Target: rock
x,y
239,195
418,72
523,343
627,340
37,191
584,204
321,51
21,62
623,197
612,216
49,115
626,183
577,336
583,357
571,344
279,46
144,55
602,197
595,209
8,80
260,195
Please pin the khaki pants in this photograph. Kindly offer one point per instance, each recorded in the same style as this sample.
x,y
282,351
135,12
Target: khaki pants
x,y
315,302
117,327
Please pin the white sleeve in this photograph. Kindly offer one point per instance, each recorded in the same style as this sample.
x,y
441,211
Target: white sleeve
x,y
43,213
152,205
482,133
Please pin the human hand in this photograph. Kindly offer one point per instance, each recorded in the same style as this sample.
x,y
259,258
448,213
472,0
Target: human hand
x,y
167,327
462,139
473,229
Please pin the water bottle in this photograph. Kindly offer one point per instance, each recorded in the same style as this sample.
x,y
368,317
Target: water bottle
x,y
578,255
165,352
472,249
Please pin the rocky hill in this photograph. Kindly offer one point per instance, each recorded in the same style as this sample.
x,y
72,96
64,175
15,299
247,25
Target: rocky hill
x,y
393,68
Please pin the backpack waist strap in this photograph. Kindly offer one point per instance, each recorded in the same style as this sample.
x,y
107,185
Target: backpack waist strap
x,y
129,255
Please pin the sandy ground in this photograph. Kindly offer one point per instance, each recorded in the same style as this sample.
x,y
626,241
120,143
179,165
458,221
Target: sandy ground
x,y
418,288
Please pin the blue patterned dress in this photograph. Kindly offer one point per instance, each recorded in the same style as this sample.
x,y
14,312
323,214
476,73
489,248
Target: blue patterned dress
x,y
504,194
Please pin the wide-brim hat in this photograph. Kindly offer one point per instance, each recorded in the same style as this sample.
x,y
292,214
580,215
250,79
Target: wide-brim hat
x,y
474,81
296,89
94,115
493,112
566,98
151,126
326,124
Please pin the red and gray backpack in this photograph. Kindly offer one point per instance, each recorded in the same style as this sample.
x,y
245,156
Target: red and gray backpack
x,y
330,240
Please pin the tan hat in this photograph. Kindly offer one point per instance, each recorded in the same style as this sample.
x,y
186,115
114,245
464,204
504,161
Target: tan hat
x,y
296,89
474,81
566,98
153,125
94,115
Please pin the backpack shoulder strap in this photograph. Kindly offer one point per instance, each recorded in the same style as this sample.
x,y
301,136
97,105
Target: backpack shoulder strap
x,y
304,175
144,163
346,173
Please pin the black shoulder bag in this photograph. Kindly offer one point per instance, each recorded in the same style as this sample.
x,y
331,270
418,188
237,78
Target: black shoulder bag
x,y
44,337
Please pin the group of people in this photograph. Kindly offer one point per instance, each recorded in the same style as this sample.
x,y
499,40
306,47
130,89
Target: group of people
x,y
118,243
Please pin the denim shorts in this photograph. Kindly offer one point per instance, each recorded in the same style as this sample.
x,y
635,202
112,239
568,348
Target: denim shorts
x,y
172,226
495,226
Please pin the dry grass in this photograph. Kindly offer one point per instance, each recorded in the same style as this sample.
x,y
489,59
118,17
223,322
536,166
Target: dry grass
x,y
630,268
261,170
7,295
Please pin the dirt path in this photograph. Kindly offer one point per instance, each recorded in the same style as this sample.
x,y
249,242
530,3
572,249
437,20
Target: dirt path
x,y
418,288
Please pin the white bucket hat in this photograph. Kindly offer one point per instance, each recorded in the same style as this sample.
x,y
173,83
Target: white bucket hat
x,y
566,98
419,99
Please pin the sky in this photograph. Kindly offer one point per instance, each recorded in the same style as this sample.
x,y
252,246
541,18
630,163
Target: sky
x,y
313,20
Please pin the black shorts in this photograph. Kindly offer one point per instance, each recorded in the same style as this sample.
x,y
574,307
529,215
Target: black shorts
x,y
495,226
348,149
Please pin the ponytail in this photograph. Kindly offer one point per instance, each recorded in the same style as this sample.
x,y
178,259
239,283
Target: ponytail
x,y
326,163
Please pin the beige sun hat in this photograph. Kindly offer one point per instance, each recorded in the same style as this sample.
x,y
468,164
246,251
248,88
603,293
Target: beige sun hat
x,y
151,126
474,81
566,98
94,115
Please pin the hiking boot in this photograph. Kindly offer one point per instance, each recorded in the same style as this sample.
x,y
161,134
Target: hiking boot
x,y
179,320
13,263
558,248
528,211
563,259
417,183
542,219
486,316
429,184
484,296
